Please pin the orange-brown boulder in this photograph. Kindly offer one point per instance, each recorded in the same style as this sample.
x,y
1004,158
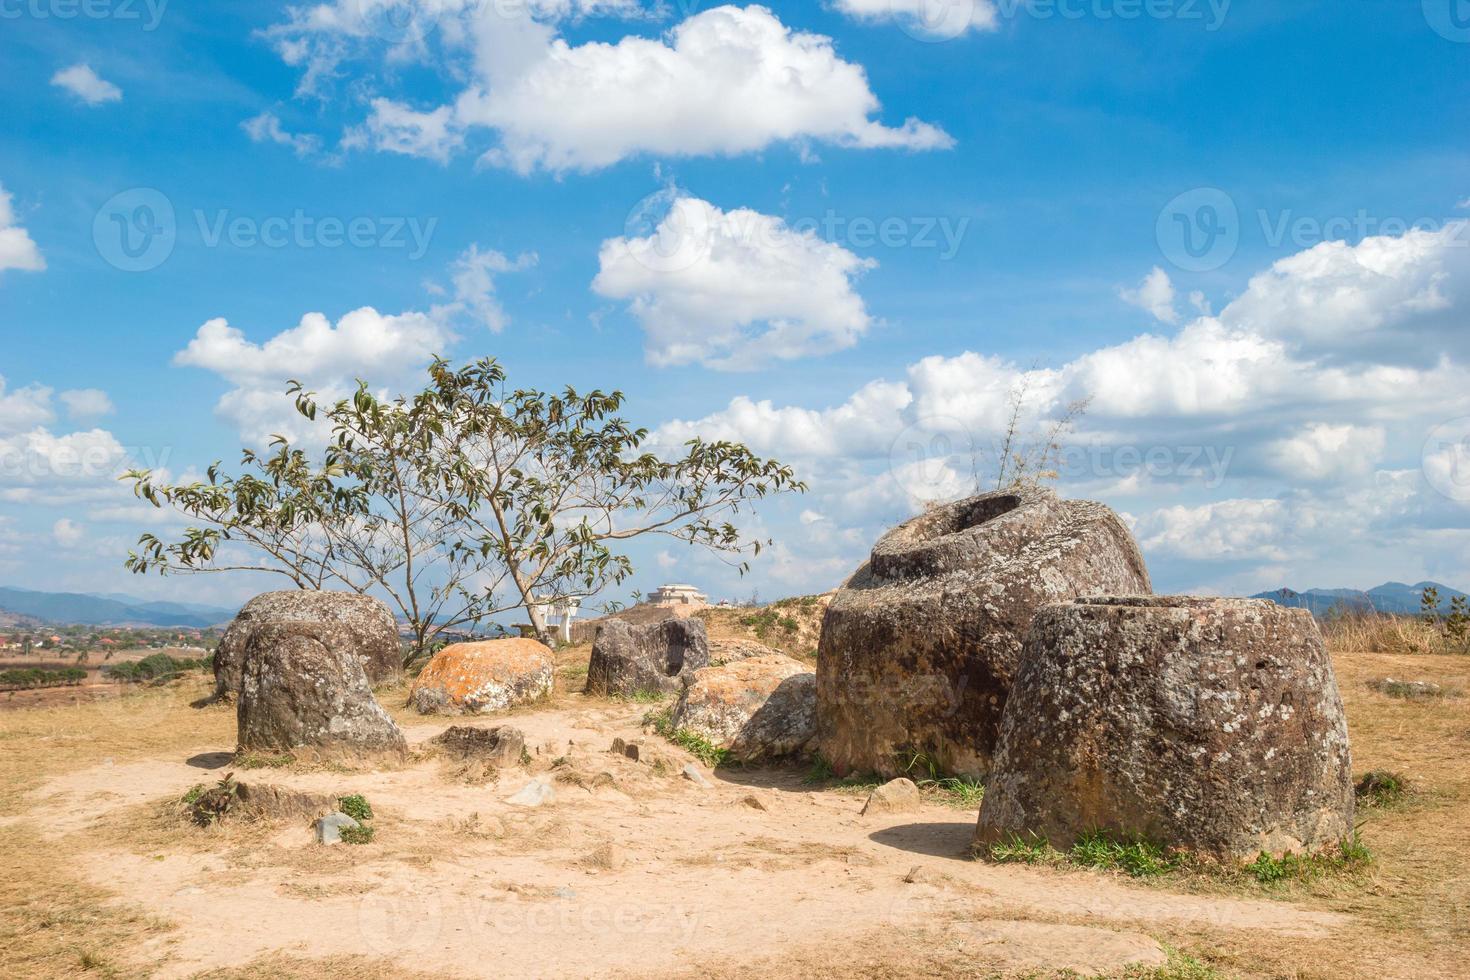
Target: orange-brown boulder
x,y
476,678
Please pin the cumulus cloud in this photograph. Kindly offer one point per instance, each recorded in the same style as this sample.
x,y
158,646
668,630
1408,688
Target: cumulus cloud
x,y
1387,299
327,357
734,290
80,80
933,18
1287,441
1323,451
25,408
86,404
32,462
17,250
725,81
267,128
388,351
1155,294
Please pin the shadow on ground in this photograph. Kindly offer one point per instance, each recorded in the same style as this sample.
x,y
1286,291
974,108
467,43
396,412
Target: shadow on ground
x,y
950,840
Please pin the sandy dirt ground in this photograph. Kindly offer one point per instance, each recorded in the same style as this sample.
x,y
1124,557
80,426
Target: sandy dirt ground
x,y
634,870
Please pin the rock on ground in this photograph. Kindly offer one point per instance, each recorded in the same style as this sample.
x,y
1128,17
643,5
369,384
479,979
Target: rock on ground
x,y
630,660
498,748
329,828
481,677
349,621
1212,725
920,646
535,793
303,690
895,796
729,651
759,708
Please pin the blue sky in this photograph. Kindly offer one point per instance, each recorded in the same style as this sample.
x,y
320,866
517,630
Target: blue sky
x,y
895,222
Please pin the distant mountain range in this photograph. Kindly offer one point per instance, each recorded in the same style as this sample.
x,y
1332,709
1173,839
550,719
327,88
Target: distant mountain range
x,y
1390,597
108,610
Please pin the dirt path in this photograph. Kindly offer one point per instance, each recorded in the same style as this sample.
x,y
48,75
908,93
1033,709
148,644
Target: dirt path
x,y
640,874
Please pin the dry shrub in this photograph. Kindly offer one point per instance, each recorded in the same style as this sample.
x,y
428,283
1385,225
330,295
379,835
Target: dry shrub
x,y
1367,632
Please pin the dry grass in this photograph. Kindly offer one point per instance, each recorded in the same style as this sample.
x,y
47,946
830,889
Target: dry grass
x,y
1359,632
38,743
54,925
1411,909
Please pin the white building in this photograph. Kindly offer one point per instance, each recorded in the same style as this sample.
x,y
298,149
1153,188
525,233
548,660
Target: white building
x,y
681,596
559,613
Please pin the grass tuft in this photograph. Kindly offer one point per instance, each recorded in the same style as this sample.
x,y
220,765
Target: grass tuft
x,y
1381,788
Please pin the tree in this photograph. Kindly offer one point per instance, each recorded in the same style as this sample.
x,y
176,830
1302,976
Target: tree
x,y
1429,606
465,500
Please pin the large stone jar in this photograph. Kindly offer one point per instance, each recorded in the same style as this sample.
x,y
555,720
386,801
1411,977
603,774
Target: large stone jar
x,y
350,622
919,648
1210,725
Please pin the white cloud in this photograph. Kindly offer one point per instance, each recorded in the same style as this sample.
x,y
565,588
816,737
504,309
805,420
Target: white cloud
x,y
328,358
397,128
25,408
1228,529
68,533
387,351
1155,294
933,18
85,404
267,128
734,290
810,516
17,250
80,80
1288,445
1322,451
38,459
1390,299
725,81
474,275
